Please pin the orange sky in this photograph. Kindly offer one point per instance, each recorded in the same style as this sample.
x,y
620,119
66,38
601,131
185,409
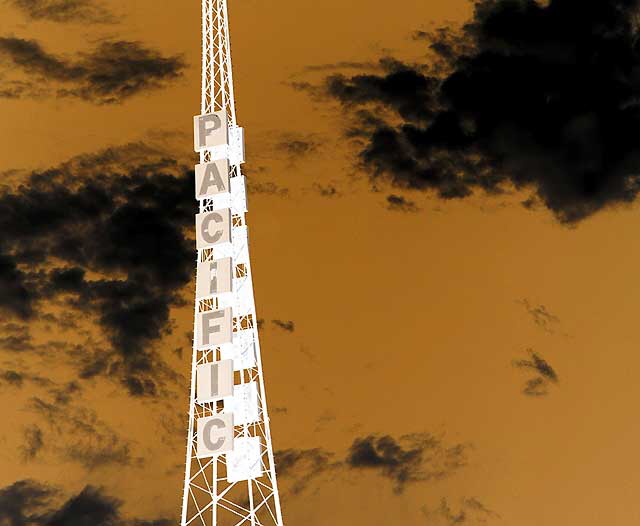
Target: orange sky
x,y
405,322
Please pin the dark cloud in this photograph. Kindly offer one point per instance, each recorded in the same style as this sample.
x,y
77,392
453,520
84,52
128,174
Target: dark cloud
x,y
17,299
85,11
111,73
413,458
29,503
471,512
541,97
113,230
544,319
538,364
23,503
287,326
537,386
13,378
303,465
17,342
398,203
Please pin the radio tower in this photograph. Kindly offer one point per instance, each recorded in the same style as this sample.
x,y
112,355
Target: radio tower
x,y
230,476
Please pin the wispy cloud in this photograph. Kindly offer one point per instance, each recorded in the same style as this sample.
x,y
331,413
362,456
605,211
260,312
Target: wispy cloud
x,y
110,73
408,460
64,11
537,386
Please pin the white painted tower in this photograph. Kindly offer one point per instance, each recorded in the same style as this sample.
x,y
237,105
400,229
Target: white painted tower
x,y
230,476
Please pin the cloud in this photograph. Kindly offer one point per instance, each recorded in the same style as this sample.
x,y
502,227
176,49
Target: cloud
x,y
106,235
537,386
30,503
13,378
111,73
398,203
418,457
540,97
85,11
33,443
471,512
538,364
303,465
267,188
17,299
77,435
413,458
342,66
328,190
295,147
23,503
544,319
287,326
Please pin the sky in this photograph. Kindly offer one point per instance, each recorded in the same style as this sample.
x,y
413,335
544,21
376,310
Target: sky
x,y
442,216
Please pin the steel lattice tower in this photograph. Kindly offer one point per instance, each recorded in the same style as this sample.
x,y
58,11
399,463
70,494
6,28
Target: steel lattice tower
x,y
239,486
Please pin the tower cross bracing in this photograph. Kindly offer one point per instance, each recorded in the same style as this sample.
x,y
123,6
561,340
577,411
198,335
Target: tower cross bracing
x,y
230,477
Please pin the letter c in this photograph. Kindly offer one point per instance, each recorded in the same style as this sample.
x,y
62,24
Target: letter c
x,y
207,431
206,223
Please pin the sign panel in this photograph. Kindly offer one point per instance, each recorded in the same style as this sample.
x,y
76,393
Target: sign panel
x,y
215,380
213,228
242,354
244,462
210,130
214,328
215,435
214,277
243,404
236,145
212,178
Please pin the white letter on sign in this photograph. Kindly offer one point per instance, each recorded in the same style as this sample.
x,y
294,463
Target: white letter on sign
x,y
210,130
214,277
215,327
215,435
212,178
213,228
215,380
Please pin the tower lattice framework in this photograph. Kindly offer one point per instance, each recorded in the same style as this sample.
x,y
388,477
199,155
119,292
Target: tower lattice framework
x,y
209,497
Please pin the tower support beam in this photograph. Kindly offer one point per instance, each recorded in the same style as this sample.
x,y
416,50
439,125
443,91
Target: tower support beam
x,y
230,476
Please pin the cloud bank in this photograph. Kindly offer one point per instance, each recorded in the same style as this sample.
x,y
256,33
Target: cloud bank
x,y
540,97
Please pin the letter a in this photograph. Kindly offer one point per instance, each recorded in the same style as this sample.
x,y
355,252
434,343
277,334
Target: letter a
x,y
212,178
